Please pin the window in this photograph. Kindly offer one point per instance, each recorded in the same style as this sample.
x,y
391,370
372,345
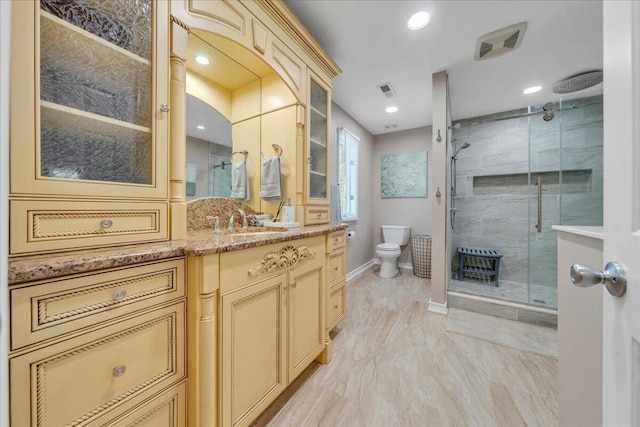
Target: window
x,y
348,173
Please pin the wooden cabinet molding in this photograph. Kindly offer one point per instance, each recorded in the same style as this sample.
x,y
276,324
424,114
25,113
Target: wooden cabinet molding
x,y
266,28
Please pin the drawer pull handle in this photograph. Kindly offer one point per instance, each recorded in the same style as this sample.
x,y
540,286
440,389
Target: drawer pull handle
x,y
319,215
335,268
119,294
119,370
164,108
335,240
106,223
335,306
294,285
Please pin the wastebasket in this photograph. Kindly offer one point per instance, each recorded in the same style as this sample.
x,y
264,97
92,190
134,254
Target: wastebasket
x,y
421,255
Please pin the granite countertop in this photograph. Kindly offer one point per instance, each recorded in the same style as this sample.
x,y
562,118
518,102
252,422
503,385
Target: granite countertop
x,y
198,243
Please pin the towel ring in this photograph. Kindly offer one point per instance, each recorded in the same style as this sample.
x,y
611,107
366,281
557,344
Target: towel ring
x,y
245,153
278,149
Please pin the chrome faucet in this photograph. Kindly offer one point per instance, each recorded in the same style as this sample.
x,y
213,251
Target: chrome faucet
x,y
216,222
244,218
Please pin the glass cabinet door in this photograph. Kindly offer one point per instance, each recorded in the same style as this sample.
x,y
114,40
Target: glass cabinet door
x,y
100,75
95,90
318,134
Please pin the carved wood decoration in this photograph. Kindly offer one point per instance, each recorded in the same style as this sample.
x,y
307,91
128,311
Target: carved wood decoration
x,y
162,282
45,224
287,256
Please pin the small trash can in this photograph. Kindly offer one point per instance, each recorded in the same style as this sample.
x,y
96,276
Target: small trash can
x,y
421,255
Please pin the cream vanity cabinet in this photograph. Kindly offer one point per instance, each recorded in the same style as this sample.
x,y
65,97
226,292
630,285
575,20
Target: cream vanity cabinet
x,y
316,191
296,116
271,316
337,267
89,123
100,348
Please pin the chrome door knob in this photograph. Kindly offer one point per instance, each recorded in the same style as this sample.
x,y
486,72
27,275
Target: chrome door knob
x,y
613,277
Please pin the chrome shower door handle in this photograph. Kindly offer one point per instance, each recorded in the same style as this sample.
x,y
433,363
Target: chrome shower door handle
x,y
539,224
613,277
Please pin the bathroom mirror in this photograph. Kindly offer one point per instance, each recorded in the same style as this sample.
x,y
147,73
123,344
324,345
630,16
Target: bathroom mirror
x,y
221,96
234,89
209,148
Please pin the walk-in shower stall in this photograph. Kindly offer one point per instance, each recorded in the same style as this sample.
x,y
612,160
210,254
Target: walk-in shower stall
x,y
514,175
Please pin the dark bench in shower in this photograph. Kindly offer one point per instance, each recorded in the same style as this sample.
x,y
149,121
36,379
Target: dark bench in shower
x,y
479,263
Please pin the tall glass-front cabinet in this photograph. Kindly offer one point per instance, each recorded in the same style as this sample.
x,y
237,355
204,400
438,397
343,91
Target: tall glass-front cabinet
x,y
89,123
317,176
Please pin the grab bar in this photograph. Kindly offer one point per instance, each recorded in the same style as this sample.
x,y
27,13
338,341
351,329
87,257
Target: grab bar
x,y
539,224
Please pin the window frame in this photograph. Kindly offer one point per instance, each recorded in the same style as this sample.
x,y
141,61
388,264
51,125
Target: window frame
x,y
348,146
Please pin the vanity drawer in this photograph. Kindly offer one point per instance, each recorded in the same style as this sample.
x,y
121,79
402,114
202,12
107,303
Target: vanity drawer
x,y
316,215
337,267
240,268
55,307
164,410
100,375
41,226
337,306
336,240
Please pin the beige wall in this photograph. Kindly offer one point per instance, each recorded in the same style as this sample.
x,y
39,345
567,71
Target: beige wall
x,y
360,249
415,212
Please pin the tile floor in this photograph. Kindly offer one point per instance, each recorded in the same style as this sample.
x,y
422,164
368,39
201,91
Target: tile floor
x,y
396,364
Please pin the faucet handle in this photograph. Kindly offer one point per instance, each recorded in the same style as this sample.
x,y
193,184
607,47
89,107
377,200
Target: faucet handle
x,y
216,222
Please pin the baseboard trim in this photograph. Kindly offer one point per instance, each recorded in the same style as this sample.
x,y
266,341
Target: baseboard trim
x,y
436,307
358,271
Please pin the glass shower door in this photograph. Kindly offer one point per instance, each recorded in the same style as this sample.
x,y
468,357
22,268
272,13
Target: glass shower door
x,y
545,179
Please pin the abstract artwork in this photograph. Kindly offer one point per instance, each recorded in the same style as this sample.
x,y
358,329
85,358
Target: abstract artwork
x,y
404,175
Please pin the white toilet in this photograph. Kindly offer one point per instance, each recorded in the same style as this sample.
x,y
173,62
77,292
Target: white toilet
x,y
394,236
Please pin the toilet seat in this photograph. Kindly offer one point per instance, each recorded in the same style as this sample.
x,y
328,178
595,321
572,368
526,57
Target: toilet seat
x,y
388,247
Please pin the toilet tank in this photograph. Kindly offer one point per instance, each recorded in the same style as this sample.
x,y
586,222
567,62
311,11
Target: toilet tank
x,y
398,234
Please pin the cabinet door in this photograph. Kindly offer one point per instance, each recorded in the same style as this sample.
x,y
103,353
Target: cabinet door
x,y
317,186
306,316
88,81
253,358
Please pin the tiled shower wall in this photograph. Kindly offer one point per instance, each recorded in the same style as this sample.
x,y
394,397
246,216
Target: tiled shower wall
x,y
493,207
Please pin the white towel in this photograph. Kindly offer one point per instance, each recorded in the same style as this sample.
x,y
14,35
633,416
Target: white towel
x,y
270,182
239,181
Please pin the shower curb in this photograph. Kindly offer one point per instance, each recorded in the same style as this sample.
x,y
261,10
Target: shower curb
x,y
505,309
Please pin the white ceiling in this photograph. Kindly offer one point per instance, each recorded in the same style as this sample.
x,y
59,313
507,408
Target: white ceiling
x,y
370,41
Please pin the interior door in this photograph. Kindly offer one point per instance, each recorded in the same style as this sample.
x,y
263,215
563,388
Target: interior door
x,y
621,316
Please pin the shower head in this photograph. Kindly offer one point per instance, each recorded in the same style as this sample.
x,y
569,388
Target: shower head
x,y
578,82
462,147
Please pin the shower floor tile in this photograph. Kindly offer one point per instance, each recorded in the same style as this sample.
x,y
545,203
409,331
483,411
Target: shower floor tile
x,y
544,296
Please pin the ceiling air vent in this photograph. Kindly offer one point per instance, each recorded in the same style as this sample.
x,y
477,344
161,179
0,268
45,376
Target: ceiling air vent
x,y
387,90
499,42
391,126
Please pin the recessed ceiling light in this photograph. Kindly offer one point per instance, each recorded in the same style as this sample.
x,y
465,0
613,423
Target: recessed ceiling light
x,y
200,127
418,20
200,59
532,89
391,109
